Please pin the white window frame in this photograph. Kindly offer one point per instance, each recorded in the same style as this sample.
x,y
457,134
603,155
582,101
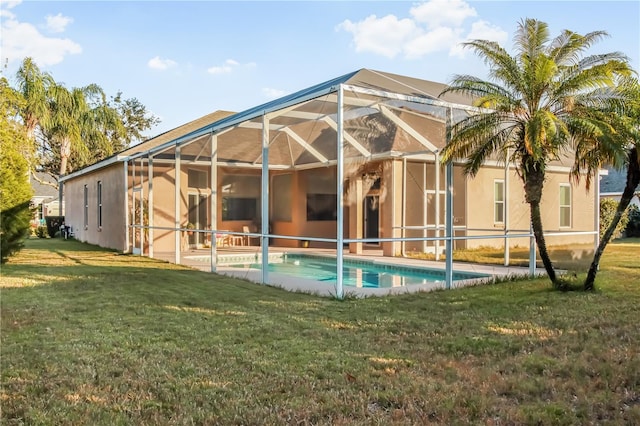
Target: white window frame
x,y
99,197
495,201
565,206
86,207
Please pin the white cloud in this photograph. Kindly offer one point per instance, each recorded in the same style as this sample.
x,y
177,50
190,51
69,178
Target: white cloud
x,y
58,23
158,63
5,6
22,39
273,93
229,66
433,26
485,31
385,36
481,30
438,13
436,40
6,14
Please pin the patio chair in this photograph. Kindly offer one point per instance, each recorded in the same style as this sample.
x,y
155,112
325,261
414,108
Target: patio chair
x,y
248,238
223,240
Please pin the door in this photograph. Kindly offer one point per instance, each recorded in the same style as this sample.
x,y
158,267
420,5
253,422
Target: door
x,y
198,216
371,220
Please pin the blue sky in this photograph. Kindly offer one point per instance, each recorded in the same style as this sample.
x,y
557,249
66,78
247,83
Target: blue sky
x,y
186,59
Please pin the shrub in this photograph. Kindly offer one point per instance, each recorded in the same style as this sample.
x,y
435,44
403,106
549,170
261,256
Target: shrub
x,y
15,190
633,227
41,232
608,208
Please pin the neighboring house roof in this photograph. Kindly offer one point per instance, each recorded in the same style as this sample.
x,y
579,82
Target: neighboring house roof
x,y
287,153
614,181
41,190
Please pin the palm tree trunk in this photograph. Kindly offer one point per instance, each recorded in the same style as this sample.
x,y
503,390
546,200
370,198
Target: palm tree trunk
x,y
65,152
633,179
538,232
533,183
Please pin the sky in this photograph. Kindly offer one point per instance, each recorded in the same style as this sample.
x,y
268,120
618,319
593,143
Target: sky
x,y
183,60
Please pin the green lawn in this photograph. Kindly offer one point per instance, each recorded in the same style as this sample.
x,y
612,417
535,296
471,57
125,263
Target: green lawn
x,y
93,337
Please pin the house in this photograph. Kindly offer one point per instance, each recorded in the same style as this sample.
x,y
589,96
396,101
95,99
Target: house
x,y
45,197
612,184
353,161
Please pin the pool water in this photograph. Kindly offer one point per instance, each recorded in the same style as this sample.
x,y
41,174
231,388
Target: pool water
x,y
357,273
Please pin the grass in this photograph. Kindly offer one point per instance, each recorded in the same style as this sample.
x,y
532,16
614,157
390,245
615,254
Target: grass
x,y
93,337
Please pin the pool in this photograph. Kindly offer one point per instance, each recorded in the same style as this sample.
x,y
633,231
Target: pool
x,y
356,273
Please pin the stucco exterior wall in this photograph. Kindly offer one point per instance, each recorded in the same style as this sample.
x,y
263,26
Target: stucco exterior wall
x,y
473,206
480,192
112,232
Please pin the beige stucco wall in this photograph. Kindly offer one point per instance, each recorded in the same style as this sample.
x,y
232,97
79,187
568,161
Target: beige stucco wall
x,y
112,233
473,206
481,203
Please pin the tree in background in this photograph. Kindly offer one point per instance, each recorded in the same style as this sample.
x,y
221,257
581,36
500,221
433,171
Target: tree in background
x,y
15,190
538,107
72,128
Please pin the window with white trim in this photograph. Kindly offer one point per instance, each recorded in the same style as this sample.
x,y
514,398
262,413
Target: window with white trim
x,y
498,201
565,205
99,194
86,207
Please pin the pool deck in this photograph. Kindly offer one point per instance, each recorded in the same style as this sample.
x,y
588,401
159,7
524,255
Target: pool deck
x,y
194,259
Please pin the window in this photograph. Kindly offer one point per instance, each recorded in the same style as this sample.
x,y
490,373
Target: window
x,y
322,203
86,207
322,207
197,179
498,201
565,205
239,208
99,194
241,197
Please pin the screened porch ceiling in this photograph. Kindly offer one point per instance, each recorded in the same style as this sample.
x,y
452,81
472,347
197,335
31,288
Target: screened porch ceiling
x,y
384,115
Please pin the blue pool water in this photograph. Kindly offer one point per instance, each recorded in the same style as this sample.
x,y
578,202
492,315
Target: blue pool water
x,y
357,273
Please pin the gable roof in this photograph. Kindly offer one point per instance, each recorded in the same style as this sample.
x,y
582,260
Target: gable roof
x,y
177,132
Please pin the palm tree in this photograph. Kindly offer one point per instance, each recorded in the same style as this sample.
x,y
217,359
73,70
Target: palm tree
x,y
535,107
69,111
627,122
34,86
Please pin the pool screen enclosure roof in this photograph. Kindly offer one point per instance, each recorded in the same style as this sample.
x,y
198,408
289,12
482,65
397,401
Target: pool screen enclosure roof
x,y
383,115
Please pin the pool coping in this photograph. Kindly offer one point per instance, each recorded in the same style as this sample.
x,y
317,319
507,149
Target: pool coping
x,y
326,289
